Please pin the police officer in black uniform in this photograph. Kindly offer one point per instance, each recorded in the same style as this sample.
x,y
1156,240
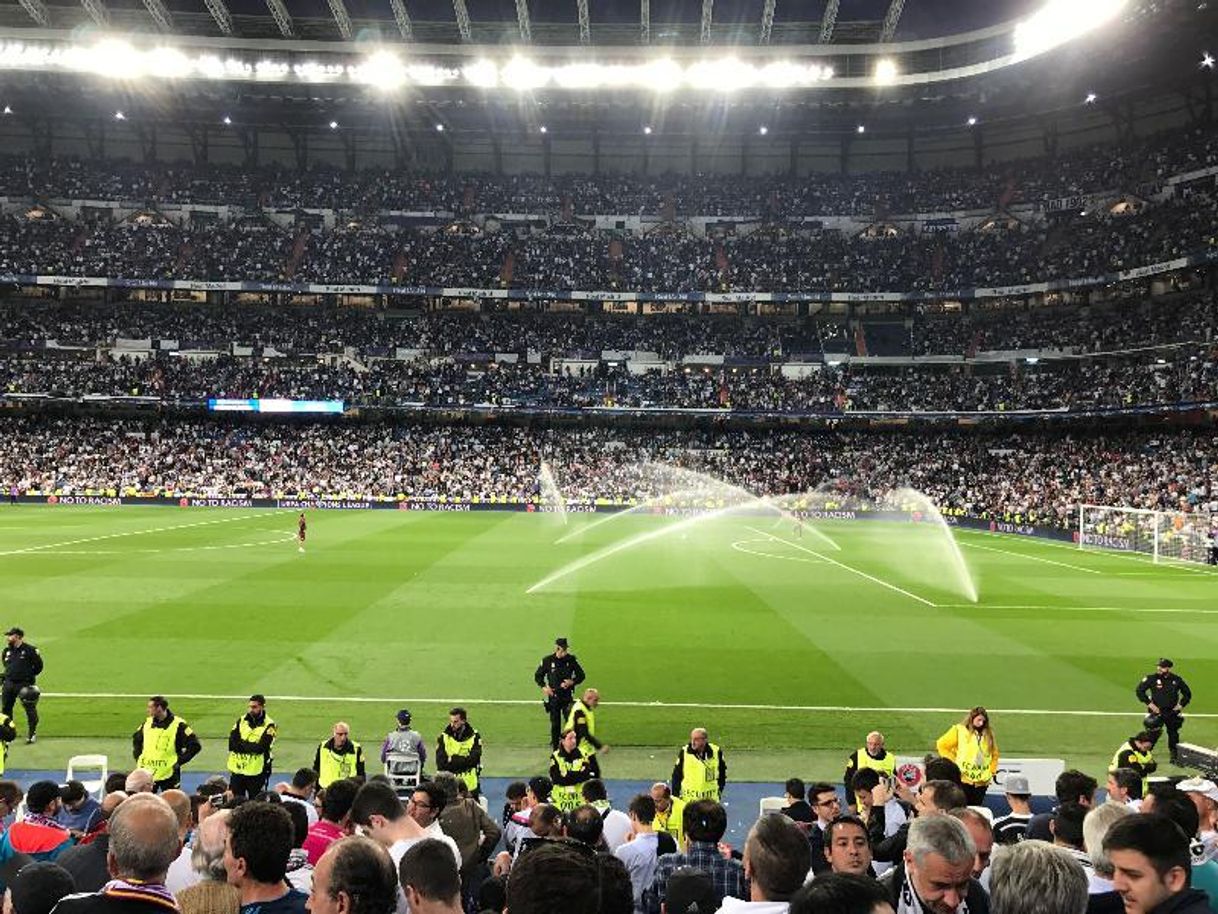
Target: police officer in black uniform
x,y
22,664
557,676
1165,695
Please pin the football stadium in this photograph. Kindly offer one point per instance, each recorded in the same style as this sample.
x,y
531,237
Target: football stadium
x,y
593,457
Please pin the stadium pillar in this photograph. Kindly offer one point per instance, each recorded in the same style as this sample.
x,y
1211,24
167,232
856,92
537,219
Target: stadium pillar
x,y
1049,139
843,162
147,136
300,145
497,154
348,141
545,155
95,139
250,144
199,137
978,147
793,159
43,136
911,163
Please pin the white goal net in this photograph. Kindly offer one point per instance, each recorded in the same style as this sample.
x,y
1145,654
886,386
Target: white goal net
x,y
1165,536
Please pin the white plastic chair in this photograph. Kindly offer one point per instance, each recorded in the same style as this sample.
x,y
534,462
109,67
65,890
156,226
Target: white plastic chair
x,y
404,772
486,807
95,786
773,804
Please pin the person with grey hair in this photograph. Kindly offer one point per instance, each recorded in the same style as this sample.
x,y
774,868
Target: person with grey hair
x,y
777,858
1034,877
935,874
143,842
1095,828
211,894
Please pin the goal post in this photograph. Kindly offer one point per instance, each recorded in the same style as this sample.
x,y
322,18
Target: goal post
x,y
1165,536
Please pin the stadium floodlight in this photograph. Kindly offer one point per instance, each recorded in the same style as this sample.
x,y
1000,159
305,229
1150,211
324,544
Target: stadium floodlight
x,y
763,129
1207,62
383,70
439,128
333,125
885,71
542,128
227,121
277,69
1090,99
582,76
661,75
647,130
522,74
972,122
860,129
119,116
481,73
8,109
1059,22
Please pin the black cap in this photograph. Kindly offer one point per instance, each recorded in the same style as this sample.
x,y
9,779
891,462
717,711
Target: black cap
x,y
41,794
560,642
39,886
1163,661
16,631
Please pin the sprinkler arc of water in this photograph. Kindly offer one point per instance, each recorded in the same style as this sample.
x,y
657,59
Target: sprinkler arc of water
x,y
964,576
550,491
640,508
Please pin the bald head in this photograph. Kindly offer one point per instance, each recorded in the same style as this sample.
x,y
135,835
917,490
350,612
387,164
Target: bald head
x,y
143,839
111,801
140,781
180,804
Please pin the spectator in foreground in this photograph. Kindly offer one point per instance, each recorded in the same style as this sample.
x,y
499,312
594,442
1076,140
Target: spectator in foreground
x,y
705,823
181,872
335,818
211,894
80,812
256,859
797,807
430,879
827,806
1103,897
1033,877
301,790
1071,785
936,870
355,876
476,834
143,842
1010,828
841,893
558,877
87,860
38,835
846,848
425,806
776,863
38,887
641,853
1151,866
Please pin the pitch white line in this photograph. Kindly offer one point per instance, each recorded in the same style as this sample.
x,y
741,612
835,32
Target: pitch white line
x,y
815,709
1030,558
1099,551
110,536
1082,609
844,566
287,538
740,544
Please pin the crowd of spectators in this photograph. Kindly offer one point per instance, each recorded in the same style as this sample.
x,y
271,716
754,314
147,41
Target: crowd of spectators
x,y
1080,171
1071,385
566,257
1038,477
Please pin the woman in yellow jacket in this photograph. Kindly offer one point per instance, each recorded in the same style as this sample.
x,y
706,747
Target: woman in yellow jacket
x,y
970,744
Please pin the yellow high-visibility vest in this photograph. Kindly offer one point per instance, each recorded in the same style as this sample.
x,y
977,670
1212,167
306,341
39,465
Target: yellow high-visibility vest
x,y
973,757
584,746
250,764
337,766
568,796
672,822
160,753
462,747
886,766
700,778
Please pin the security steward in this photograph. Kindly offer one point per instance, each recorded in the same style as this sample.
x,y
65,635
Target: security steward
x,y
1135,755
700,772
249,750
8,733
557,676
582,720
670,813
1165,695
22,665
338,758
569,769
872,755
459,750
164,744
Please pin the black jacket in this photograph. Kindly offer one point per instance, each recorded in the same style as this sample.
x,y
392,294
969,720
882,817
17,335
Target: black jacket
x,y
553,670
87,863
22,663
456,764
1164,692
262,747
1190,901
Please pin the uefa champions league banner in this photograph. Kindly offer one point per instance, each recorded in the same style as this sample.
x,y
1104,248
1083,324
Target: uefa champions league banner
x,y
1199,258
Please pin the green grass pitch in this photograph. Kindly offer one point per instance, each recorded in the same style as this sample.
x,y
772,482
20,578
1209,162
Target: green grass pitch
x,y
769,639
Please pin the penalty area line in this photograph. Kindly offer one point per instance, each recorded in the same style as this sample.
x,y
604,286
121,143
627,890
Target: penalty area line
x,y
1030,558
110,536
845,567
812,709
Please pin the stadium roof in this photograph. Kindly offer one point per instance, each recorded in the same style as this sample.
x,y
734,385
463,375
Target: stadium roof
x,y
493,22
